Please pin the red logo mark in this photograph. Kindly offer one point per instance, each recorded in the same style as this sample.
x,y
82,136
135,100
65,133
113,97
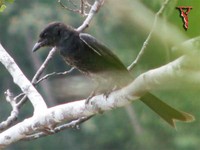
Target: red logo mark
x,y
184,11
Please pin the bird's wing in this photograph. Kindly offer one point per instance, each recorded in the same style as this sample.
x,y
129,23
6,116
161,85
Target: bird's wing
x,y
101,50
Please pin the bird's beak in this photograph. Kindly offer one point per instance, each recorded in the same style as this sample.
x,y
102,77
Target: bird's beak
x,y
40,43
37,46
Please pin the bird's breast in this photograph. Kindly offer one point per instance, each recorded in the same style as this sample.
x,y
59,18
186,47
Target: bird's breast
x,y
75,58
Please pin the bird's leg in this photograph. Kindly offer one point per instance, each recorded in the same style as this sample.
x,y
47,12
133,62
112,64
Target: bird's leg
x,y
107,93
93,93
108,86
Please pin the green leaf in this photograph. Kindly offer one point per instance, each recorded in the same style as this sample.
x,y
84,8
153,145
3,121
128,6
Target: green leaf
x,y
2,8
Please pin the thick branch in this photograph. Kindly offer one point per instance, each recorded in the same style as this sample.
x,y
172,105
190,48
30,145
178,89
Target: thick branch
x,y
20,79
37,75
153,79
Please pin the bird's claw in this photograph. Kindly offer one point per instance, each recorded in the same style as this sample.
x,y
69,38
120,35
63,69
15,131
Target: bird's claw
x,y
88,100
106,94
90,97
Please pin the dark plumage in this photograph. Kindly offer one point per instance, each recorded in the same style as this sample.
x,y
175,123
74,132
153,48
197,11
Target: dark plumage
x,y
84,52
91,57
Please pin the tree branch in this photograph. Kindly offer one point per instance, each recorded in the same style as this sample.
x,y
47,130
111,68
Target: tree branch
x,y
70,9
25,85
94,9
154,79
55,74
43,66
142,51
151,80
72,124
14,113
38,74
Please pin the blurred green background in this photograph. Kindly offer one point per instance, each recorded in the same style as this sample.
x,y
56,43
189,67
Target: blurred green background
x,y
123,26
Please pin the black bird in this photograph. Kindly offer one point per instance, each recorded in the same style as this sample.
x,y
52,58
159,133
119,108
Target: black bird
x,y
94,59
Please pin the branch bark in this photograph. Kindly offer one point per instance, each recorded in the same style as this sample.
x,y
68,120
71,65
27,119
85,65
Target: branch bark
x,y
20,79
94,9
151,80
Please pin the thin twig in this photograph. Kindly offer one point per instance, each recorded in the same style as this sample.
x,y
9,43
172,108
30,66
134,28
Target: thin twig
x,y
72,124
55,74
82,7
88,4
14,113
72,3
82,10
70,9
19,96
22,102
43,66
94,9
134,63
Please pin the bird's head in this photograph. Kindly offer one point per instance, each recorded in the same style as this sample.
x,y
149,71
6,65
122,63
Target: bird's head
x,y
52,34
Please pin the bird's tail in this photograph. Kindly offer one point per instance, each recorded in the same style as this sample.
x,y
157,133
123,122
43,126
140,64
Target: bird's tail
x,y
166,112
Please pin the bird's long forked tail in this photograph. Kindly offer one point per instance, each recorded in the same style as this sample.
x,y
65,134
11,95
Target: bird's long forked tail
x,y
166,112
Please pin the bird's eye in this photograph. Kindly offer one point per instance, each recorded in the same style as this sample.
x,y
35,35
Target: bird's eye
x,y
45,35
59,33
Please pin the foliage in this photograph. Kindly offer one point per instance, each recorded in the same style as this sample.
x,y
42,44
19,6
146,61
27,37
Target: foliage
x,y
3,4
